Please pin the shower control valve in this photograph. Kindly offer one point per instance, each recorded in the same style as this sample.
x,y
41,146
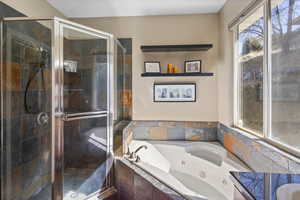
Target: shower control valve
x,y
42,118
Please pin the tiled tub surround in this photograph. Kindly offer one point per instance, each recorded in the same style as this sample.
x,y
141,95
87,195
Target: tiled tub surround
x,y
174,130
164,130
254,152
257,154
133,183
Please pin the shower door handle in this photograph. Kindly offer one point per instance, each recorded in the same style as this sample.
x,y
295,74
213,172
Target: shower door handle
x,y
78,116
70,115
66,118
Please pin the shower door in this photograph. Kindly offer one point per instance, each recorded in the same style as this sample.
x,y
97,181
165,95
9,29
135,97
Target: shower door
x,y
26,123
83,142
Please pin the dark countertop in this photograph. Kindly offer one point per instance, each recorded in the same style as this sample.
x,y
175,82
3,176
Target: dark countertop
x,y
261,186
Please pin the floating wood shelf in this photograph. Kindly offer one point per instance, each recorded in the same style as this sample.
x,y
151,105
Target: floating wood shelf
x,y
174,48
176,74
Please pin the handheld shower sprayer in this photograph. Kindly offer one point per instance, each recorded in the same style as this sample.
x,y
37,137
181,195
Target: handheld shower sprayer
x,y
37,108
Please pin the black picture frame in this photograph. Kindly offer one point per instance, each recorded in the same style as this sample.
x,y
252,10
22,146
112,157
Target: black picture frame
x,y
151,62
190,61
192,99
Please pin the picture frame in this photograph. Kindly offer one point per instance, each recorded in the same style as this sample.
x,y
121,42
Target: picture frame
x,y
174,92
152,67
193,66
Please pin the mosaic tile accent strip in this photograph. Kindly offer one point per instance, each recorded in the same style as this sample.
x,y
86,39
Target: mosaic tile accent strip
x,y
257,154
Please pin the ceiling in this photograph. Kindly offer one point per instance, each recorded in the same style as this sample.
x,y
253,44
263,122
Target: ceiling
x,y
112,8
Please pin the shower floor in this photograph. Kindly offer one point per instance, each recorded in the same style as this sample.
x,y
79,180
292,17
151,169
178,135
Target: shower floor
x,y
80,183
74,183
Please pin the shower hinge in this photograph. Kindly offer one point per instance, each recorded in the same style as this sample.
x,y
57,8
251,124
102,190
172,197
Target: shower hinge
x,y
60,115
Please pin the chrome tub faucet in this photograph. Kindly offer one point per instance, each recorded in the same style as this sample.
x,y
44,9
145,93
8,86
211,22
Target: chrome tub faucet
x,y
132,155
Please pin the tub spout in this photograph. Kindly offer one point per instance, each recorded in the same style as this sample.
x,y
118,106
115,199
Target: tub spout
x,y
133,156
138,149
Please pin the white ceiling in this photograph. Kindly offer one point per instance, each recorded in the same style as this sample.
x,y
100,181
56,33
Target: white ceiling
x,y
110,8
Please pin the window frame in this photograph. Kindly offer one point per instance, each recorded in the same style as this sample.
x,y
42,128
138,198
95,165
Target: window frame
x,y
267,76
237,70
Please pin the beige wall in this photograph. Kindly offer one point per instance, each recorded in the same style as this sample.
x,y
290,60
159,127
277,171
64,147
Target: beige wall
x,y
225,71
215,97
155,30
34,8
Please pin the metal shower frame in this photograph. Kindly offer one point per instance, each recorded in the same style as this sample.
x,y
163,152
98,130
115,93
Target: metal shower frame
x,y
58,115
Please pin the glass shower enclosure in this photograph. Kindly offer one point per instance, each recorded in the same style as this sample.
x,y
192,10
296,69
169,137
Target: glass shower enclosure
x,y
56,110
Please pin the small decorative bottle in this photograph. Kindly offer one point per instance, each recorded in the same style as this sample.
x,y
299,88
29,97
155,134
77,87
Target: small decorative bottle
x,y
170,68
175,70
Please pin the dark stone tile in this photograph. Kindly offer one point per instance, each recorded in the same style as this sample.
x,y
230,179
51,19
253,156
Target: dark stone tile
x,y
142,188
158,195
35,102
12,140
30,149
124,181
141,133
44,194
177,133
17,182
13,102
146,123
31,174
29,126
113,197
11,128
45,155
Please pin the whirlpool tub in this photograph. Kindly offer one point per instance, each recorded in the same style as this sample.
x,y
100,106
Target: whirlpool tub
x,y
196,170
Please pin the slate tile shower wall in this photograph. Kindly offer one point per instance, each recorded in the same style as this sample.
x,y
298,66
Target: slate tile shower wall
x,y
256,153
85,141
27,145
85,89
125,78
124,93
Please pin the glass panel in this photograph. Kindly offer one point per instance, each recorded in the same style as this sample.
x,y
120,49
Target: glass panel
x,y
27,110
286,72
85,157
85,72
126,77
119,83
250,59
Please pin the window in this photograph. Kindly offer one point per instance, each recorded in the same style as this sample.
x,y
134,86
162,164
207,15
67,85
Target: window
x,y
269,98
285,68
250,67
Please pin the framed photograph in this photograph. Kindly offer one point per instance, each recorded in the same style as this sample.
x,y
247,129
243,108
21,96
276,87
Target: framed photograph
x,y
152,67
192,66
173,92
